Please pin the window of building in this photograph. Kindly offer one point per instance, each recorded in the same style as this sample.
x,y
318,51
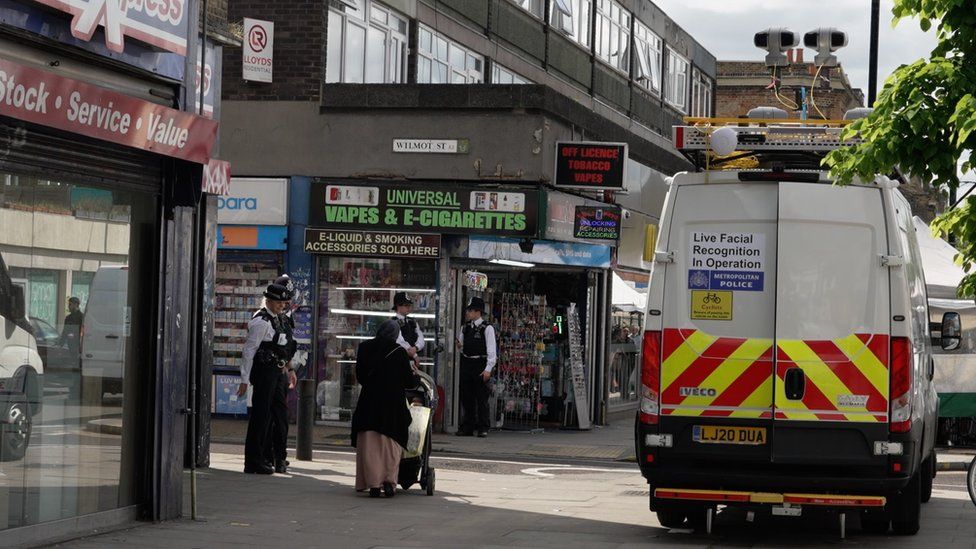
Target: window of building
x,y
501,75
572,18
532,6
442,61
701,94
649,57
676,82
613,34
367,44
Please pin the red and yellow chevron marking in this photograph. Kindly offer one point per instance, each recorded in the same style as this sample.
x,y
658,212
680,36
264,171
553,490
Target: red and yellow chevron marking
x,y
839,373
730,377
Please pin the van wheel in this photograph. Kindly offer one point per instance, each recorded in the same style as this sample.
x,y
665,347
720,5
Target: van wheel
x,y
16,431
906,513
928,478
671,518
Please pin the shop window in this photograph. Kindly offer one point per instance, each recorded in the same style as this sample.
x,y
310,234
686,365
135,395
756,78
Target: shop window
x,y
613,34
501,75
676,82
532,6
96,244
701,94
572,18
367,44
355,297
649,57
443,61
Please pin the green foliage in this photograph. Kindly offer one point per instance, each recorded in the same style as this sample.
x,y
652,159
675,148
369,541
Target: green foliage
x,y
924,120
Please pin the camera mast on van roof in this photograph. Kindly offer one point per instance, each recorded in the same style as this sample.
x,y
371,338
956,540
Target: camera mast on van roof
x,y
758,143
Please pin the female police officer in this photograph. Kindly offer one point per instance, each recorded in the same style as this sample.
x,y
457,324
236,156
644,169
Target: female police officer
x,y
265,354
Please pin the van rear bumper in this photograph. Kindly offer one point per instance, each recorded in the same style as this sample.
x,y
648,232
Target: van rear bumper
x,y
730,477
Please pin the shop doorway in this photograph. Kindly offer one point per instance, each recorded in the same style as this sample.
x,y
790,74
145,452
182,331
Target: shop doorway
x,y
535,321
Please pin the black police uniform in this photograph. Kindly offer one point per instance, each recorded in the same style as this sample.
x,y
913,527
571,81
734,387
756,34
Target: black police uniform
x,y
408,329
276,447
265,376
473,389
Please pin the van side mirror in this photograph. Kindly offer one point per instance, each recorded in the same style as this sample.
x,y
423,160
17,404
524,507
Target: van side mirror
x,y
18,304
951,331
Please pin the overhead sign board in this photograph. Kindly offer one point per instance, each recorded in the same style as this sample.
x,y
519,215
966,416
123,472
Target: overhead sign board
x,y
372,243
216,177
431,146
254,201
161,23
416,207
209,77
44,98
258,50
587,165
595,223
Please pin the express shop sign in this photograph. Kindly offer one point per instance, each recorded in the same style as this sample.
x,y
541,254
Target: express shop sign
x,y
598,166
41,97
161,23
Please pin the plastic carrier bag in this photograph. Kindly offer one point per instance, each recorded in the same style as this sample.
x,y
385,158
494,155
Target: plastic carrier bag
x,y
419,418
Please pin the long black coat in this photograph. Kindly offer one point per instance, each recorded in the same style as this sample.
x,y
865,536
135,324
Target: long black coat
x,y
383,369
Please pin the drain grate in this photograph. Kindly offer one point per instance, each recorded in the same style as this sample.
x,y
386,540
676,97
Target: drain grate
x,y
639,493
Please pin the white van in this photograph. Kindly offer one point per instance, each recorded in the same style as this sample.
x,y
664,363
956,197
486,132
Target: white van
x,y
787,358
106,328
21,370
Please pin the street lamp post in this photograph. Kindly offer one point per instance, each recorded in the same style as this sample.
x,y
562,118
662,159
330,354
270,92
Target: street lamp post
x,y
873,55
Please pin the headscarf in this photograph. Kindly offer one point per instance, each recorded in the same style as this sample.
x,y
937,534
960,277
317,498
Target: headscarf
x,y
388,331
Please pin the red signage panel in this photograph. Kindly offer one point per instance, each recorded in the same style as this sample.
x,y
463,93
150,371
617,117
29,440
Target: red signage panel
x,y
598,166
44,98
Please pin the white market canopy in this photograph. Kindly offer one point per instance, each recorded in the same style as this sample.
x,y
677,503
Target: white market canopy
x,y
942,275
626,298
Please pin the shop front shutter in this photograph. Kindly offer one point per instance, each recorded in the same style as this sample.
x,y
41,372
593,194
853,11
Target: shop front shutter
x,y
43,152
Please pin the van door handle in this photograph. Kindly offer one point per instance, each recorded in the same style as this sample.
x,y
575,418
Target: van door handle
x,y
795,383
111,336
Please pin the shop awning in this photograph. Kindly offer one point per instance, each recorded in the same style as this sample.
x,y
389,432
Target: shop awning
x,y
625,298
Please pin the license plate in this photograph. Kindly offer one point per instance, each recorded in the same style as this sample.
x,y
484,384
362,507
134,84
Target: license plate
x,y
713,434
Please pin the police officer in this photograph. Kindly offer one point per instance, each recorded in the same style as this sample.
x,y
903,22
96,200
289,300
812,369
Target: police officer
x,y
479,354
265,355
411,336
276,447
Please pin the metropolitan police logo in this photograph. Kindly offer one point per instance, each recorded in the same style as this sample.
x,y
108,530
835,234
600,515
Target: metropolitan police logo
x,y
698,279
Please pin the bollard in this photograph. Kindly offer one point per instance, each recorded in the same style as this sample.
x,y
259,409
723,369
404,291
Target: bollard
x,y
306,418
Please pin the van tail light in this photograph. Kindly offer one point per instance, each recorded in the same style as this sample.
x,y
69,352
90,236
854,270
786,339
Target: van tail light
x,y
901,385
650,402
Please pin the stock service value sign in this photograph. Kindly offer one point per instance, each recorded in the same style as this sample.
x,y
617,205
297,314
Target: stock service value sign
x,y
587,165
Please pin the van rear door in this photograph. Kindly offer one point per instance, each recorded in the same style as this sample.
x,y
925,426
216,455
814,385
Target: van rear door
x,y
832,324
718,321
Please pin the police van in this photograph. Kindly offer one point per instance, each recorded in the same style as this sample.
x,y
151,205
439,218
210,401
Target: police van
x,y
787,352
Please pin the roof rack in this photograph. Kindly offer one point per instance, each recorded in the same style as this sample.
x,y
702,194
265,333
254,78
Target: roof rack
x,y
783,142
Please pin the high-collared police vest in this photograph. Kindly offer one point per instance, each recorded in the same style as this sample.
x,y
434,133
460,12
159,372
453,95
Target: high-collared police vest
x,y
474,343
408,329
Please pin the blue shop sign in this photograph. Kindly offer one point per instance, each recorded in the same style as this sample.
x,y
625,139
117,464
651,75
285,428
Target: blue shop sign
x,y
547,252
243,237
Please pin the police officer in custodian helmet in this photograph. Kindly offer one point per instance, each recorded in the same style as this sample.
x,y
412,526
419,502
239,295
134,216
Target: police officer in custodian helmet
x,y
266,353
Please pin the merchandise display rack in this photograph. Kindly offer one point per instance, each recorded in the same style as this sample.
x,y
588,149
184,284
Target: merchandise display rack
x,y
523,327
239,289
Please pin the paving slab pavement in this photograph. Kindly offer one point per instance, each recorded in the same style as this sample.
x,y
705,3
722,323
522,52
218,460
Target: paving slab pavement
x,y
487,503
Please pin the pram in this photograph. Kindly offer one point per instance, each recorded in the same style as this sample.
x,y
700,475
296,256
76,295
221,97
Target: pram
x,y
417,469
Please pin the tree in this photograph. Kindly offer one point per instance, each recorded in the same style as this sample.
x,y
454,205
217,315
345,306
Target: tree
x,y
924,120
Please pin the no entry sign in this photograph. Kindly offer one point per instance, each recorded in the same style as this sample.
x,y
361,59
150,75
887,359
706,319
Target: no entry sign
x,y
598,166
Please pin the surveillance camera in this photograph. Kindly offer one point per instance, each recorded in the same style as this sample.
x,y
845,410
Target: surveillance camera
x,y
626,214
825,41
776,42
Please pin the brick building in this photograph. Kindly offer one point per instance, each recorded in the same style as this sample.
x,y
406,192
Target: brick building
x,y
743,85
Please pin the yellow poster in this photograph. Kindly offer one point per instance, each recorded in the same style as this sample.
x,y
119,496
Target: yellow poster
x,y
711,305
